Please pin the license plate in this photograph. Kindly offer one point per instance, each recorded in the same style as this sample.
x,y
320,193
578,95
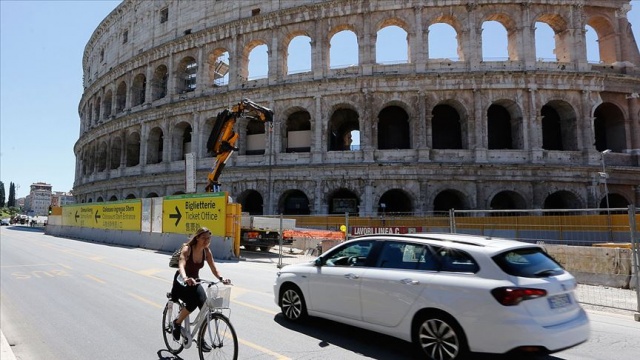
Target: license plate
x,y
559,301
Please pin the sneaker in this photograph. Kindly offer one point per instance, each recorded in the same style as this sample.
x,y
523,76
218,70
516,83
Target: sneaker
x,y
177,329
205,347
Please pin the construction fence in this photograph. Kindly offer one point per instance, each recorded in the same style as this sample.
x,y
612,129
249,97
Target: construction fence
x,y
598,246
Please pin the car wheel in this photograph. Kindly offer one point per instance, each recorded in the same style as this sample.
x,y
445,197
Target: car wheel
x,y
440,337
292,304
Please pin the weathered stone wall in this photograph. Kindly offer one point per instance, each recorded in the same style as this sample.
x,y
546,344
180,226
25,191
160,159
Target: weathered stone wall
x,y
113,150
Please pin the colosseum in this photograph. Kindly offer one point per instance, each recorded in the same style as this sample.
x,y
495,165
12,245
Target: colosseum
x,y
418,136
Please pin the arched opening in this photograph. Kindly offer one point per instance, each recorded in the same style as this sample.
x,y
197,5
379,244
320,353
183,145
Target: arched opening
x,y
133,149
187,73
393,128
343,201
258,62
108,103
298,132
559,126
609,128
299,55
181,141
615,201
256,137
155,146
294,202
562,200
446,128
138,90
251,202
121,97
392,37
447,200
343,50
341,125
219,67
443,42
395,202
507,200
160,82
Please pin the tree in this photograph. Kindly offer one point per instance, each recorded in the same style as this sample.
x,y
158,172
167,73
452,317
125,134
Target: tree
x,y
12,195
2,198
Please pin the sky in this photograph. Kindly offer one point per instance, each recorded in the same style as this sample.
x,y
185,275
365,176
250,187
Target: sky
x,y
41,48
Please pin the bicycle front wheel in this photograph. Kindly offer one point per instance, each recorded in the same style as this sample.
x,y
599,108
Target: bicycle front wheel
x,y
217,339
171,311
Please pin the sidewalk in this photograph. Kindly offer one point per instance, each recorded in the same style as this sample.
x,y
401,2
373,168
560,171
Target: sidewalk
x,y
6,353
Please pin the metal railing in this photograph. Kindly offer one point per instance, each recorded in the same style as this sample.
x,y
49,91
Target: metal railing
x,y
599,247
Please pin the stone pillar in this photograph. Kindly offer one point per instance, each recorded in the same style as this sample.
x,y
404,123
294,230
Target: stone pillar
x,y
317,145
201,71
171,78
480,131
148,90
144,138
366,47
275,58
235,71
634,123
418,42
197,135
319,50
624,43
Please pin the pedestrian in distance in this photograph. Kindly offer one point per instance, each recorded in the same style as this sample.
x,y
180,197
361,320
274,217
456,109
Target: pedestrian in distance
x,y
185,287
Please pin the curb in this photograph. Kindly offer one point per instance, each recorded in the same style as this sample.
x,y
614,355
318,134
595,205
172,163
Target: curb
x,y
6,353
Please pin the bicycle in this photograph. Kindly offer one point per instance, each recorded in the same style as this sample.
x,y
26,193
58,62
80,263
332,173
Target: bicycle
x,y
211,326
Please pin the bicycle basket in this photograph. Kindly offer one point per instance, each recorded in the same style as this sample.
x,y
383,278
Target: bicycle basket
x,y
219,296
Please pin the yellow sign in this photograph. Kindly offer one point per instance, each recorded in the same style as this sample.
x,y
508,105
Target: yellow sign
x,y
185,214
117,215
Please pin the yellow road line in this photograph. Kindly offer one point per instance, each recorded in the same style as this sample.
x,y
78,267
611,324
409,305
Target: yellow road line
x,y
244,342
15,266
96,279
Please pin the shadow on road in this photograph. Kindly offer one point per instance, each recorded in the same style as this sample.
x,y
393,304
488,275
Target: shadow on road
x,y
371,344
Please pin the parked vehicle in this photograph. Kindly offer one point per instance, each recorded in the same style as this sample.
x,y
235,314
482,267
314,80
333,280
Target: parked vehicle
x,y
263,233
449,294
5,222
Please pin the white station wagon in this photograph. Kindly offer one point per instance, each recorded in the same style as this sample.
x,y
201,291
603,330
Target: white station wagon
x,y
449,294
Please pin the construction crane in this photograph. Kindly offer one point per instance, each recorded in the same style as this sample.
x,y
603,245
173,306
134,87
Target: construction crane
x,y
222,140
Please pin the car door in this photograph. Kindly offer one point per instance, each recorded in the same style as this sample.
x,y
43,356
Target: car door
x,y
389,289
335,287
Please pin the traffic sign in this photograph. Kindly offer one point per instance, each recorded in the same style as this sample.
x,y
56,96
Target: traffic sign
x,y
185,214
116,215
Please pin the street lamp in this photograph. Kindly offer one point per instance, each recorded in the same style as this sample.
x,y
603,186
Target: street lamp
x,y
604,177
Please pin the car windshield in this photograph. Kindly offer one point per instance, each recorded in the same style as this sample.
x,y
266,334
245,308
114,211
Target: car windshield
x,y
528,262
354,254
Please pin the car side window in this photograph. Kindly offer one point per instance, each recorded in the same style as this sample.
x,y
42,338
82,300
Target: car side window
x,y
400,255
454,260
355,254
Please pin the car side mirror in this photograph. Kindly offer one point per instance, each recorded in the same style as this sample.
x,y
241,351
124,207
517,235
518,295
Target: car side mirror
x,y
318,261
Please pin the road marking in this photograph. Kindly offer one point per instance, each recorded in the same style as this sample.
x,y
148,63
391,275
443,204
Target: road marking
x,y
146,301
263,349
96,279
15,266
245,342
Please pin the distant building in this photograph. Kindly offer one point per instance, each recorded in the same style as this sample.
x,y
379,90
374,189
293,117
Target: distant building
x,y
61,198
38,200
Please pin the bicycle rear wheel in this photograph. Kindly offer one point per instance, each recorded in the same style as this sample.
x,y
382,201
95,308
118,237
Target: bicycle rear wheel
x,y
219,335
171,311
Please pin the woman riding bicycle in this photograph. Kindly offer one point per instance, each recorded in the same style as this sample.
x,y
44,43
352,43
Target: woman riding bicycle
x,y
193,255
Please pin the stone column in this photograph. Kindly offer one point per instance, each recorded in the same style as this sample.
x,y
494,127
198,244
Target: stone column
x,y
275,60
366,47
235,71
634,123
144,138
319,50
319,129
148,90
201,77
418,44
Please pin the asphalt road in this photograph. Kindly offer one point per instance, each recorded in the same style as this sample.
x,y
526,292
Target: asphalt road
x,y
70,299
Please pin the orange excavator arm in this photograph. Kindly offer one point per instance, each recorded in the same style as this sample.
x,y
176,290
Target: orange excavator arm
x,y
222,140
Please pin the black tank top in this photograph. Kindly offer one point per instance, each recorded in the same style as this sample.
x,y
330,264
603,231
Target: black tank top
x,y
192,268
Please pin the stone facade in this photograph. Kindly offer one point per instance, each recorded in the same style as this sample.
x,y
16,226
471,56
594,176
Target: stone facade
x,y
435,134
